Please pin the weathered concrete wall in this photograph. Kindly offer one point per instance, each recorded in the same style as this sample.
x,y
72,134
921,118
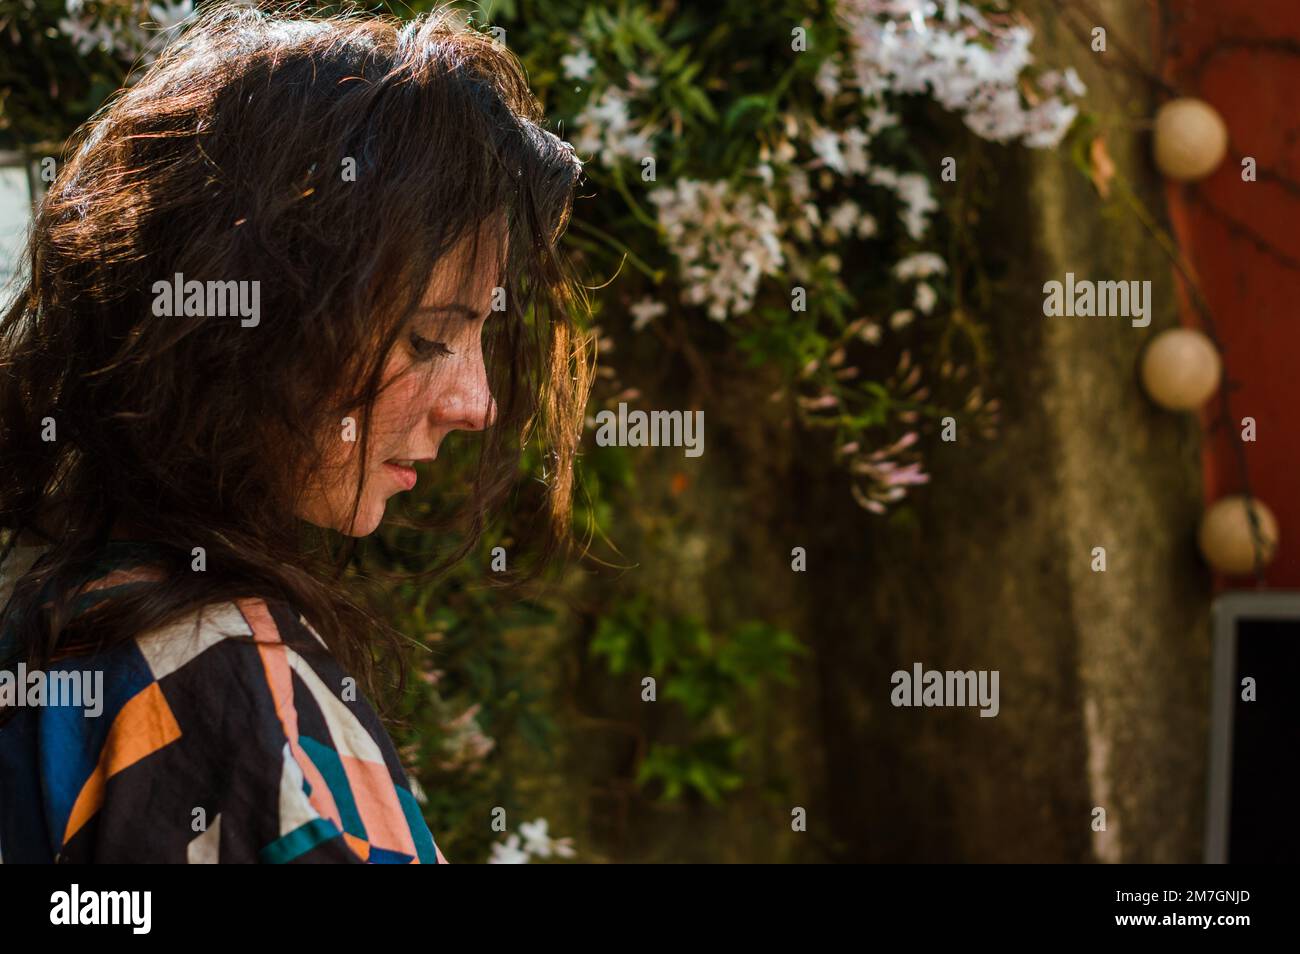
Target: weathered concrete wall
x,y
1129,473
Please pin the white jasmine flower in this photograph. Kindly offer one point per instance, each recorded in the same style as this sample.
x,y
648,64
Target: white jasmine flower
x,y
856,158
605,129
925,298
1054,81
919,265
1073,85
914,191
88,33
167,15
167,18
826,144
1048,122
827,80
726,240
879,119
645,311
844,217
508,853
536,840
898,48
578,66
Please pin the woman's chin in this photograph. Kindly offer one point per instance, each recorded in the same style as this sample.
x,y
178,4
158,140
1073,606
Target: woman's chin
x,y
367,522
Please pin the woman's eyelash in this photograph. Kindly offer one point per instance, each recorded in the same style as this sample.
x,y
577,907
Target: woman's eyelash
x,y
424,348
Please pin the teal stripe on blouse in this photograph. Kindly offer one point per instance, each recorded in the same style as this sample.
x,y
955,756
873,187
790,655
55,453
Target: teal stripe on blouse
x,y
425,849
331,769
298,842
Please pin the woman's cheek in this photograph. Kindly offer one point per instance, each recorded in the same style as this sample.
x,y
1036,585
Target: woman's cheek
x,y
398,411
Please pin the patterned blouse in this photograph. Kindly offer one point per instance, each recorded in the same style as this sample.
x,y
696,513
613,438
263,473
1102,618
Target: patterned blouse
x,y
232,735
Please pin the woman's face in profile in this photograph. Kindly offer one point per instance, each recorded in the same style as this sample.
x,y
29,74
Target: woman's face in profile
x,y
434,383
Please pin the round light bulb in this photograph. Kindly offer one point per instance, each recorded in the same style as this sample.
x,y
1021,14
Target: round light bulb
x,y
1191,139
1181,369
1226,540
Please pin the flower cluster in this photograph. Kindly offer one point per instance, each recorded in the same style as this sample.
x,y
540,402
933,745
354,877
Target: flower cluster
x,y
606,130
727,235
965,60
726,240
532,839
833,169
118,28
880,476
465,746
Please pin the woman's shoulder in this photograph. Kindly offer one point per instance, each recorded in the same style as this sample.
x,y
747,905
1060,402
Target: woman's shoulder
x,y
257,667
121,567
236,704
252,650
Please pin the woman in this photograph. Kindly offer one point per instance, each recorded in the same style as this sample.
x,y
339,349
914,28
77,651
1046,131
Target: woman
x,y
272,276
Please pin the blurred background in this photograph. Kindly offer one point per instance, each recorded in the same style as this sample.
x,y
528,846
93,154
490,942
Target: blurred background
x,y
829,226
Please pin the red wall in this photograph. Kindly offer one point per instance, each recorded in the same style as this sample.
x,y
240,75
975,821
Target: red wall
x,y
1243,240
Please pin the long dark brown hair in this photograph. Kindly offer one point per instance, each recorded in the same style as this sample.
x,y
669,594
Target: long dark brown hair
x,y
228,160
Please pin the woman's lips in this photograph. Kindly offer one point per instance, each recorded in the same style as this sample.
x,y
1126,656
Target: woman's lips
x,y
406,476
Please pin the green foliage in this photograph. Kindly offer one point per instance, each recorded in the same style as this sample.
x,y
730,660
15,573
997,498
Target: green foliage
x,y
711,676
47,86
706,766
474,683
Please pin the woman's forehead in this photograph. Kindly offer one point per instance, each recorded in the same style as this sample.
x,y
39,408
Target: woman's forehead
x,y
469,271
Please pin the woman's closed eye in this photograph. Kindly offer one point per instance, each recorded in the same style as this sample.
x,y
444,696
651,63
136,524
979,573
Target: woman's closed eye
x,y
425,349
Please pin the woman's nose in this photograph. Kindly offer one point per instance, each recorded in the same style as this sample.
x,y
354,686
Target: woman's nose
x,y
468,404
